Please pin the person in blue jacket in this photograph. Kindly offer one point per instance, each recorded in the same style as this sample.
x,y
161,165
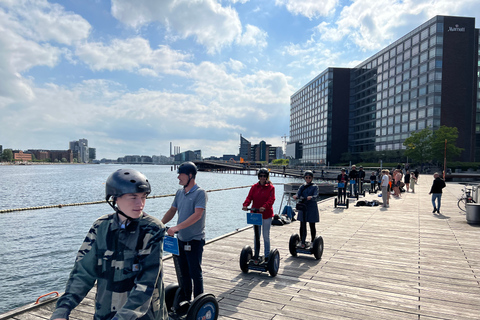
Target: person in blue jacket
x,y
308,193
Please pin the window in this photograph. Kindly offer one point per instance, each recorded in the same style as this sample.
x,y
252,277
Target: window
x,y
413,115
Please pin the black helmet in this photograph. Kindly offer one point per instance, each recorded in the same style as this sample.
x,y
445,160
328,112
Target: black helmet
x,y
125,181
188,168
308,173
263,171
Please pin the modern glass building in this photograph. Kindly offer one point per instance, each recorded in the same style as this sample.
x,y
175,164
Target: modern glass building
x,y
428,78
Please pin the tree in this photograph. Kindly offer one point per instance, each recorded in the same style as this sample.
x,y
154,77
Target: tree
x,y
419,145
438,144
7,155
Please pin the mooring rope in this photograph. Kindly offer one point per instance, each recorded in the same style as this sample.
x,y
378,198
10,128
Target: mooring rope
x,y
102,201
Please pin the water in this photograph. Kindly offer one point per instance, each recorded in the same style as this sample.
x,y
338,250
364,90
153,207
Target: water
x,y
38,247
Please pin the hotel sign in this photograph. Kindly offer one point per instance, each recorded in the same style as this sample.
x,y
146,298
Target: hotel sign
x,y
456,29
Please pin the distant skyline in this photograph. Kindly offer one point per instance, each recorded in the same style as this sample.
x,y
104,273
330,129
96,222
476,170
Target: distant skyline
x,y
133,76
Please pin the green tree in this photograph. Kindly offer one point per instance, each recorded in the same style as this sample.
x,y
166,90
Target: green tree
x,y
438,144
7,155
419,145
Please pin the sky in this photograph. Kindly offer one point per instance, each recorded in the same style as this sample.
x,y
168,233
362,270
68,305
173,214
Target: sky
x,y
133,76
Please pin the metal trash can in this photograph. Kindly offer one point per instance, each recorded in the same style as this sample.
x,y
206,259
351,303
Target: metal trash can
x,y
473,213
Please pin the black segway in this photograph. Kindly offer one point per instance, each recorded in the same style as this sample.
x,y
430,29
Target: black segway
x,y
204,306
352,193
248,261
295,246
341,201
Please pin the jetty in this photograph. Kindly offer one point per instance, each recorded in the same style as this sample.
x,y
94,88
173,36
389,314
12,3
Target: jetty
x,y
400,262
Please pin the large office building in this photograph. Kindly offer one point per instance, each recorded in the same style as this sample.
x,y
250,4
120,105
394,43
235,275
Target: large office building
x,y
427,78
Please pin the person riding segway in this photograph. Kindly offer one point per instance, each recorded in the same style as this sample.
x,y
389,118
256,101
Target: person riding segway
x,y
307,213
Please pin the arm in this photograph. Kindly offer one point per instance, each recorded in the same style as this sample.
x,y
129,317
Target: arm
x,y
314,193
197,215
169,215
249,198
82,277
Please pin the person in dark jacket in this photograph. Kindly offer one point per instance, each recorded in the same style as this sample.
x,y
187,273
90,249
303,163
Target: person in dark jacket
x,y
122,254
309,193
436,191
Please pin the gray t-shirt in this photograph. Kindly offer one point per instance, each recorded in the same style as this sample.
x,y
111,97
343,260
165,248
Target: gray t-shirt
x,y
186,203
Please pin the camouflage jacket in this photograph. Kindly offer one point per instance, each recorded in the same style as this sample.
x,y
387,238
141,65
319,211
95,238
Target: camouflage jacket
x,y
126,263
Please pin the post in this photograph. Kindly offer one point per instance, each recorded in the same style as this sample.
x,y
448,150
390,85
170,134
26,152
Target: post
x,y
445,160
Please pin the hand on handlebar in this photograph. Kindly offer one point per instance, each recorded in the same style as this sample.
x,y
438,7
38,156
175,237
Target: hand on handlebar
x,y
245,208
172,230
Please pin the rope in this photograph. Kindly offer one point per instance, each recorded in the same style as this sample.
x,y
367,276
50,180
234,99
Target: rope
x,y
101,201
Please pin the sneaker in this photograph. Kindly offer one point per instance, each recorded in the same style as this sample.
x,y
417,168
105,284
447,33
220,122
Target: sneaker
x,y
434,210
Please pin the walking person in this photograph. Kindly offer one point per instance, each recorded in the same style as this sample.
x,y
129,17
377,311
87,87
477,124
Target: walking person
x,y
384,185
262,197
122,254
436,192
413,182
191,203
407,179
309,192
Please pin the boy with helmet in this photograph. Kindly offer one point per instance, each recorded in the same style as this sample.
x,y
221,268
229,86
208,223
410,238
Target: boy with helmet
x,y
309,193
190,202
122,253
262,194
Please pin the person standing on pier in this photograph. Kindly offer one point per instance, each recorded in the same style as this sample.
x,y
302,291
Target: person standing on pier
x,y
436,192
262,194
190,202
308,192
122,253
384,185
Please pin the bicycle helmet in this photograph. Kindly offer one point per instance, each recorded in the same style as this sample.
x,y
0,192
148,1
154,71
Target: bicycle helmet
x,y
308,173
188,168
125,181
263,171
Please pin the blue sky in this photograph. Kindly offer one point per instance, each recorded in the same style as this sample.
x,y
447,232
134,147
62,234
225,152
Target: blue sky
x,y
133,76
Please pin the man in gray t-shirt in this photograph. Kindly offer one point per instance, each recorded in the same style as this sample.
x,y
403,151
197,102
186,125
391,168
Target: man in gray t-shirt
x,y
190,202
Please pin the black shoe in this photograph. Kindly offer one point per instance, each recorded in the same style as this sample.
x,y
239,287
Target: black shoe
x,y
438,211
434,210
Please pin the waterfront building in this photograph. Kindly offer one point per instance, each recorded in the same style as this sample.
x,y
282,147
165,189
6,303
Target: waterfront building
x,y
18,155
427,78
80,150
245,151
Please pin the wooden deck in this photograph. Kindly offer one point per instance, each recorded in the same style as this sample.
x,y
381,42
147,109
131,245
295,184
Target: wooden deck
x,y
402,262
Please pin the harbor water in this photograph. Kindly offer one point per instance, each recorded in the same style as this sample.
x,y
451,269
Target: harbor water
x,y
38,247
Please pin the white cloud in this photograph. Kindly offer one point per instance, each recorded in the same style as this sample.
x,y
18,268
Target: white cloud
x,y
210,24
253,37
134,54
44,21
362,24
309,8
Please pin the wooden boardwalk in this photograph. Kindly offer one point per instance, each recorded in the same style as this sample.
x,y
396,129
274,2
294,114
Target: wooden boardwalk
x,y
402,262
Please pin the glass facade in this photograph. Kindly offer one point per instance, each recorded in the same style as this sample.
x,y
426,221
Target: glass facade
x,y
310,117
422,80
397,91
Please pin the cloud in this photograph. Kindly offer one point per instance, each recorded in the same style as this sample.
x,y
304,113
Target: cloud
x,y
253,37
210,24
361,24
309,8
133,55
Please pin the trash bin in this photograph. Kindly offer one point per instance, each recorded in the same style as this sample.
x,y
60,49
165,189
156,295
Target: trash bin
x,y
473,213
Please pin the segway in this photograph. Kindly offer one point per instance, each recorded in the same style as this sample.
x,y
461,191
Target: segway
x,y
316,247
360,190
204,306
338,201
248,261
352,193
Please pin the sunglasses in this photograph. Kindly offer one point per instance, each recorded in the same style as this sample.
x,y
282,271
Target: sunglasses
x,y
308,177
262,175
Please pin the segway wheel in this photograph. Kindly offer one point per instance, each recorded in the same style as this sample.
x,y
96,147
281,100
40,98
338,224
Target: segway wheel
x,y
336,202
245,257
346,203
293,243
273,262
317,247
170,292
204,306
